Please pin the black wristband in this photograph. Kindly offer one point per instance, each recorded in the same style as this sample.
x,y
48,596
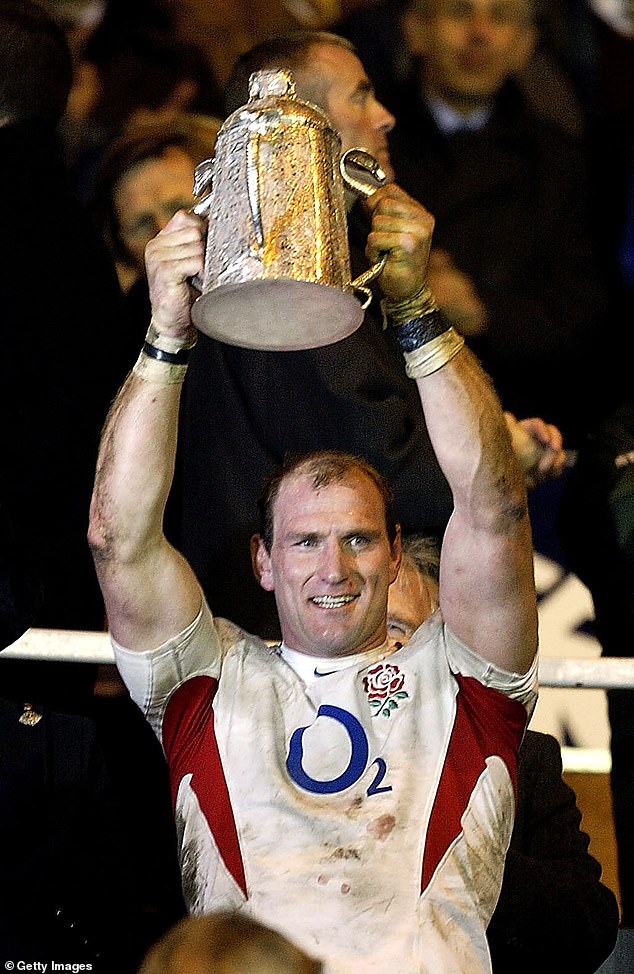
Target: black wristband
x,y
418,331
181,357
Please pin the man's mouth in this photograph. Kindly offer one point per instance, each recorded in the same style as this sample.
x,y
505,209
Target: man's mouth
x,y
332,601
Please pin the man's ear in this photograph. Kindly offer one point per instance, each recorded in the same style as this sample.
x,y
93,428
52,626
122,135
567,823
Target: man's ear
x,y
261,563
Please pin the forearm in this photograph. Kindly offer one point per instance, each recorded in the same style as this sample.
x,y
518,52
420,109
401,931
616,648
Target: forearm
x,y
487,582
472,443
134,470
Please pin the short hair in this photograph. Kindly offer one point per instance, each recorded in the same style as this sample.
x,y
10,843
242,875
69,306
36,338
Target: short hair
x,y
137,143
422,551
285,51
324,467
225,943
36,69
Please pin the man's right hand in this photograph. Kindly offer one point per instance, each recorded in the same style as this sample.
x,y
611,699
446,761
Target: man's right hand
x,y
174,256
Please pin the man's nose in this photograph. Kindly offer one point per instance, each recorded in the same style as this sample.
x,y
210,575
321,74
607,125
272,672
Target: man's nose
x,y
335,561
385,121
481,23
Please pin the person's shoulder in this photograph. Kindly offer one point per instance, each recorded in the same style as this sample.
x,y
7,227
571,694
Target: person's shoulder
x,y
514,112
540,749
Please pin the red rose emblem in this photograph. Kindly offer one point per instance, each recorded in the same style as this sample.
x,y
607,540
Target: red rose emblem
x,y
384,687
382,681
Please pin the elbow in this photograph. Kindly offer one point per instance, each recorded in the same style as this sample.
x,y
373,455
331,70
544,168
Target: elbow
x,y
100,540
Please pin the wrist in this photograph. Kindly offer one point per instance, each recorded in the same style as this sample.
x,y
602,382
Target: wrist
x,y
170,343
428,342
164,358
420,303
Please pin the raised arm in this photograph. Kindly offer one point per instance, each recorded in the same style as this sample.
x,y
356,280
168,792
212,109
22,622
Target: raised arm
x,y
487,592
150,592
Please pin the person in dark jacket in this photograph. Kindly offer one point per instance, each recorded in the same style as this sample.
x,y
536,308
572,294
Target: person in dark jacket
x,y
515,266
61,325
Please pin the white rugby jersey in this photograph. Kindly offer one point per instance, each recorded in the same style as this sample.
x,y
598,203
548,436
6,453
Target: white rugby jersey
x,y
365,815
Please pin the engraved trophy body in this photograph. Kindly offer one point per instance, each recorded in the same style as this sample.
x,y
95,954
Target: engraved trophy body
x,y
277,264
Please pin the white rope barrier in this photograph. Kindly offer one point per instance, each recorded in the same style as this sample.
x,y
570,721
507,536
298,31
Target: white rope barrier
x,y
61,645
605,673
71,646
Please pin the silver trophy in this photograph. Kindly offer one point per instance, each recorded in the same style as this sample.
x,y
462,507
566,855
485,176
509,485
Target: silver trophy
x,y
277,265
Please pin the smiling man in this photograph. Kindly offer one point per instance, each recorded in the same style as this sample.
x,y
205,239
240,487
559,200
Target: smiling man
x,y
339,788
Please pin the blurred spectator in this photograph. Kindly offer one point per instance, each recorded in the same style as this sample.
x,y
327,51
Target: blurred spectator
x,y
561,63
514,266
226,943
132,72
145,176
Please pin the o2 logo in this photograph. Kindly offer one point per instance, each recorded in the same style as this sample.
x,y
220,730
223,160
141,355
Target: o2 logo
x,y
357,764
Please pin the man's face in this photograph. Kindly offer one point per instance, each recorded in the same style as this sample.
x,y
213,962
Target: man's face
x,y
349,101
330,565
410,601
148,196
471,47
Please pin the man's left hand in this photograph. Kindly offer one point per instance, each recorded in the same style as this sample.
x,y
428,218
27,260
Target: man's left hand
x,y
402,229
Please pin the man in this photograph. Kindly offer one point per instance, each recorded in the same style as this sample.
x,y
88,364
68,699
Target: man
x,y
551,883
354,823
513,266
244,410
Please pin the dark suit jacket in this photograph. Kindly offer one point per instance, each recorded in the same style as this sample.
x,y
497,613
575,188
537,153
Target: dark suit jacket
x,y
64,354
554,915
57,854
511,207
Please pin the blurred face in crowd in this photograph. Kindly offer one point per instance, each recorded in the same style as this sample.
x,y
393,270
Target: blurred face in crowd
x,y
411,599
148,195
330,564
337,82
469,47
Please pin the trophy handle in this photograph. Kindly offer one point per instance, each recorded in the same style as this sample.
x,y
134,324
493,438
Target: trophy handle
x,y
360,282
365,163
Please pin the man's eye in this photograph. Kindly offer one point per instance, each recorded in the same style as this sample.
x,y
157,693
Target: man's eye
x,y
305,543
144,225
358,541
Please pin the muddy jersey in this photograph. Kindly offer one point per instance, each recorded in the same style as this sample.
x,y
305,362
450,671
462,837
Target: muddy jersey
x,y
365,814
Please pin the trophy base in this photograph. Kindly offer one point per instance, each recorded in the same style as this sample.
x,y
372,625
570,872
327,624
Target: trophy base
x,y
277,315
